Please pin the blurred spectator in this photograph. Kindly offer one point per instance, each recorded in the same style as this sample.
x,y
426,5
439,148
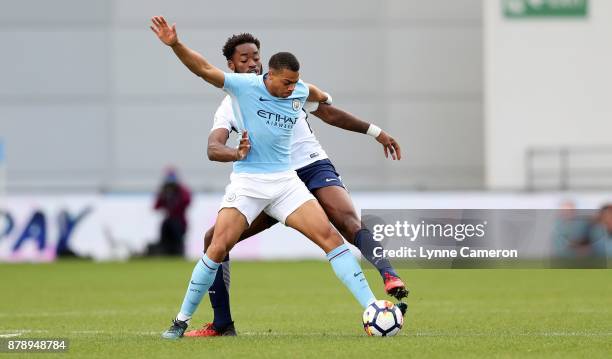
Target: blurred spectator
x,y
173,199
571,233
601,232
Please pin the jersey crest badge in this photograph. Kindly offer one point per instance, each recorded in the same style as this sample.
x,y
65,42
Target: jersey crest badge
x,y
296,104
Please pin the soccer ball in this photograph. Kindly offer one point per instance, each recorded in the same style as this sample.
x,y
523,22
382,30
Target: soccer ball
x,y
382,319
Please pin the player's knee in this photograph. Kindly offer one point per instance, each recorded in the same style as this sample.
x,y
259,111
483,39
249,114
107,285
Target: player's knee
x,y
348,224
344,219
214,252
219,247
331,237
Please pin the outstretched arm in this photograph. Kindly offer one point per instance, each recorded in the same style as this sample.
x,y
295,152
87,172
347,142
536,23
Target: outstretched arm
x,y
220,152
342,119
195,62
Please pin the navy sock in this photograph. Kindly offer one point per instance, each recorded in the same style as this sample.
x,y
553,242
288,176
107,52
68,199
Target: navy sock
x,y
366,244
219,296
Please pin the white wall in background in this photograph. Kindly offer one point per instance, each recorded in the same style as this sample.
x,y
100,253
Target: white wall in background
x,y
90,99
548,82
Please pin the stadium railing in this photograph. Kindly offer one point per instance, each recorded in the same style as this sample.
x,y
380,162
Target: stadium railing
x,y
568,168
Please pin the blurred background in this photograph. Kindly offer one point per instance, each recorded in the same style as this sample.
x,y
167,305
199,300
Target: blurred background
x,y
496,104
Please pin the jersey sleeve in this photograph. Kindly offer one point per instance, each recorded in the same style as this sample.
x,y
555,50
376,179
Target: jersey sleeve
x,y
235,84
311,106
224,116
302,90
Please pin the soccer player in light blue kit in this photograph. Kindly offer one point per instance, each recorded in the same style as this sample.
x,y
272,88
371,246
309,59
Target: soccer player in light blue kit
x,y
266,108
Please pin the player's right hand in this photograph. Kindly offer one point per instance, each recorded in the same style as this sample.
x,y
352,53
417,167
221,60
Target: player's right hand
x,y
165,32
244,147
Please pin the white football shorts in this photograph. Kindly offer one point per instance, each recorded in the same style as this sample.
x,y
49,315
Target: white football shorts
x,y
278,194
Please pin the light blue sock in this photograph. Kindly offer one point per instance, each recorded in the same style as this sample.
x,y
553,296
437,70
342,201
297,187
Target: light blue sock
x,y
201,279
349,272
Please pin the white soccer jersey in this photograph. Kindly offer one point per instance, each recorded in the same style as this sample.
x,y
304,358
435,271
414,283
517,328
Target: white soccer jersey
x,y
305,148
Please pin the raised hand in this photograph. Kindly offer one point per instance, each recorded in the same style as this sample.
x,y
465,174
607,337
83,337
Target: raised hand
x,y
390,146
165,32
244,147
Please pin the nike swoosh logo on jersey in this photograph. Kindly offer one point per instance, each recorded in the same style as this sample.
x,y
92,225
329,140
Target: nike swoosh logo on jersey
x,y
264,99
356,274
330,179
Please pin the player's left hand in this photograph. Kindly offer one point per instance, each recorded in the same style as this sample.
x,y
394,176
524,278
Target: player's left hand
x,y
165,32
390,146
244,147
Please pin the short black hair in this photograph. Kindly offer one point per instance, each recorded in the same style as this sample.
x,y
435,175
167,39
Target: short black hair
x,y
236,40
284,60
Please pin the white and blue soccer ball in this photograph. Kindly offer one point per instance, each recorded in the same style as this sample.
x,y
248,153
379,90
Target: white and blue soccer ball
x,y
382,319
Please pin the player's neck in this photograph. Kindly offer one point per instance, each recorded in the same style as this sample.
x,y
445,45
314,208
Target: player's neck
x,y
266,80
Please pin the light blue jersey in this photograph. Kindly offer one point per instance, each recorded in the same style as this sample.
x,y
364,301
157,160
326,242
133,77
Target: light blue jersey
x,y
268,119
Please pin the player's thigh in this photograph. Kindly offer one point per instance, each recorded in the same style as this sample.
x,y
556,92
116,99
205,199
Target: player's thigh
x,y
230,223
259,224
229,226
339,208
310,220
237,211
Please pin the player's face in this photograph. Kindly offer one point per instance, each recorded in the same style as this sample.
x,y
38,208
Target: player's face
x,y
246,59
282,82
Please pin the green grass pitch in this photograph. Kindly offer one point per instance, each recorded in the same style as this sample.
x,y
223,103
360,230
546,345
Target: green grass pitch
x,y
300,309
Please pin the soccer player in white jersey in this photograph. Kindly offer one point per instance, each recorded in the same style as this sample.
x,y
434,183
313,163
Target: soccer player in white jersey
x,y
267,107
314,169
